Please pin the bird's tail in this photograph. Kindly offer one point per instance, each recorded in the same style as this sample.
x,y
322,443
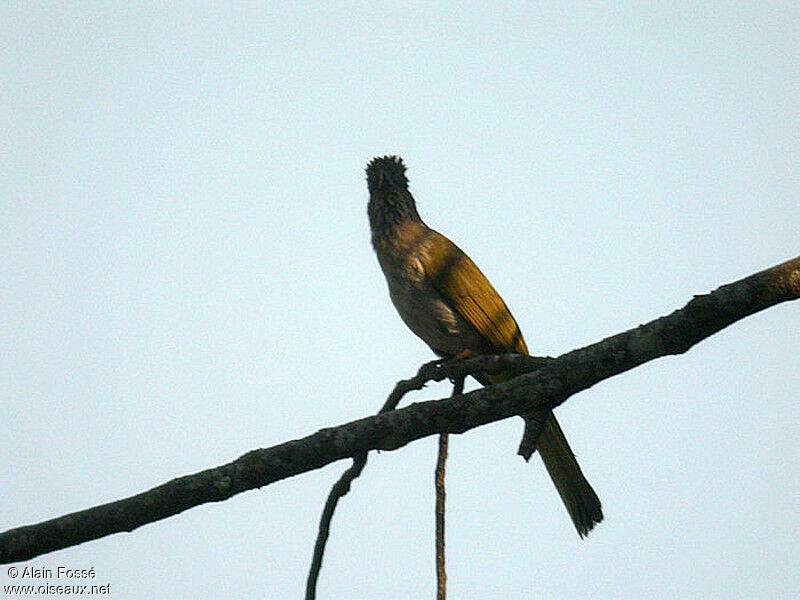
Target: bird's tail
x,y
579,498
581,501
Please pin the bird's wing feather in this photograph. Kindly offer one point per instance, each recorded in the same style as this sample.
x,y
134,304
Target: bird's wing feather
x,y
465,288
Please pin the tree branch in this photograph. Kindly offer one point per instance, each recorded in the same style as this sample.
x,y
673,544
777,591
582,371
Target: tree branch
x,y
441,496
543,389
428,372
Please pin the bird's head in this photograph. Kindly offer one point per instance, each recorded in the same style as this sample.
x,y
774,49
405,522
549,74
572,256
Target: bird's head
x,y
385,173
390,202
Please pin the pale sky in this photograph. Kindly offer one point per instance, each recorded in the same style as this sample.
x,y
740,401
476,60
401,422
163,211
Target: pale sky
x,y
186,275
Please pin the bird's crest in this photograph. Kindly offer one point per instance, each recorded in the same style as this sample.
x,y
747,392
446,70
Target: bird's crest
x,y
386,172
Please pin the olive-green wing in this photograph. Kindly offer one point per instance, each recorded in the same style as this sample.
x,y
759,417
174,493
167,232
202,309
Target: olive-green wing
x,y
468,292
463,286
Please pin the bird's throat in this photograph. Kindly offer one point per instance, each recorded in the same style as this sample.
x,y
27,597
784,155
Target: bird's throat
x,y
390,212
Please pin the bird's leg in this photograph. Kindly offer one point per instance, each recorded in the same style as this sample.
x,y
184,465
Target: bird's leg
x,y
458,381
463,354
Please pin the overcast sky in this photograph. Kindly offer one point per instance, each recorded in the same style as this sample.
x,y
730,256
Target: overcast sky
x,y
186,275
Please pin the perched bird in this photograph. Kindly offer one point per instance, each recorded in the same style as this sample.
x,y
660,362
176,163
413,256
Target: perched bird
x,y
445,300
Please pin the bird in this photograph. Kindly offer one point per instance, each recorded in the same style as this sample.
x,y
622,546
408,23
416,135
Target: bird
x,y
445,299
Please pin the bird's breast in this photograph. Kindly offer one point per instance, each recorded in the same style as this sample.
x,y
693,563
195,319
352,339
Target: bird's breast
x,y
426,313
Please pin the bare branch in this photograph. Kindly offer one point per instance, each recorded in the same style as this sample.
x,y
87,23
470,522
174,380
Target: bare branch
x,y
431,371
543,389
338,491
441,496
